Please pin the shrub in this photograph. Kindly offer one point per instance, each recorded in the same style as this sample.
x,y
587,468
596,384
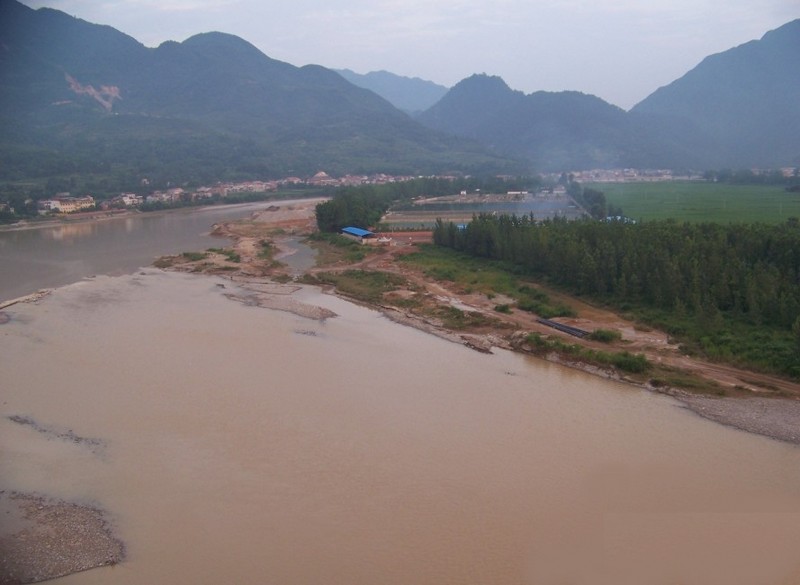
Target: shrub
x,y
194,256
628,362
605,335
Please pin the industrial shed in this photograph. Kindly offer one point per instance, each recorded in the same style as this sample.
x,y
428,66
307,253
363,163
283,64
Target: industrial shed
x,y
357,234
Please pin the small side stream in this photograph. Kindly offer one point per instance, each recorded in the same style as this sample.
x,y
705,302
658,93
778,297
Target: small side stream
x,y
300,257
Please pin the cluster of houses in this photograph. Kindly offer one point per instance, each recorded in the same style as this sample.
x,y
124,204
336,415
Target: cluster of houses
x,y
654,175
65,203
630,176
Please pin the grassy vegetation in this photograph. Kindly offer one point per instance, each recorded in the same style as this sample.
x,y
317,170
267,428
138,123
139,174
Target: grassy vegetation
x,y
367,286
536,301
663,376
230,255
635,364
701,201
737,342
332,248
458,320
621,360
605,335
267,251
487,277
194,256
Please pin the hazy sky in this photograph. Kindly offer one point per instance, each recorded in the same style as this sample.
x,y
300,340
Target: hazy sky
x,y
619,50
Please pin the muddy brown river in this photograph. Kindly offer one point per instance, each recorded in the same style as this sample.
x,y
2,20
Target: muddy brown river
x,y
236,444
55,255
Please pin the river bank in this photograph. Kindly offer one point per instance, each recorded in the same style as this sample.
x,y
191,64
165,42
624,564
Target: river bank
x,y
68,219
749,401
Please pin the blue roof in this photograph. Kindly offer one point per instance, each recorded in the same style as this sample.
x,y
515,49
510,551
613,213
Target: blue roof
x,y
354,231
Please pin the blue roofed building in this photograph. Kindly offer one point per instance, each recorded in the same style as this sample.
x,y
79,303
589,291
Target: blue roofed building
x,y
357,234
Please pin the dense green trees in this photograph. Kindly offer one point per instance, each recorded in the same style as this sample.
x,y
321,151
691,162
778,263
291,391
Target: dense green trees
x,y
709,275
352,206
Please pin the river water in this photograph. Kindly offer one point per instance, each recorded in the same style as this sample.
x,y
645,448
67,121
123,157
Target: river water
x,y
238,444
64,253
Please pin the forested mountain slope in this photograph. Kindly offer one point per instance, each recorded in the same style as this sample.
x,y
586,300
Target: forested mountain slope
x,y
742,105
79,97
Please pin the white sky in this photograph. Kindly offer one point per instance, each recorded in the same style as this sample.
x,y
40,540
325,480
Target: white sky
x,y
619,50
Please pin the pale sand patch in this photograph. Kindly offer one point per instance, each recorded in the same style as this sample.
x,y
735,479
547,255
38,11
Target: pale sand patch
x,y
279,297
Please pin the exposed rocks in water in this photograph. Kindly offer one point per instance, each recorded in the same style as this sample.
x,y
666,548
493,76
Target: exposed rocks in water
x,y
54,433
43,539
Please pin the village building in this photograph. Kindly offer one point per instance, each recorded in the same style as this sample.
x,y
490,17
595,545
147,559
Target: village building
x,y
158,197
130,199
322,179
63,203
175,194
353,180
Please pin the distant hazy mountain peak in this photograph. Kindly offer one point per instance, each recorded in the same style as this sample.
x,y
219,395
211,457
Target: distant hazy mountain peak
x,y
220,39
484,80
224,43
410,94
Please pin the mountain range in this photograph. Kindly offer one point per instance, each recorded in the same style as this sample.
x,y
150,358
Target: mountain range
x,y
76,97
81,98
738,109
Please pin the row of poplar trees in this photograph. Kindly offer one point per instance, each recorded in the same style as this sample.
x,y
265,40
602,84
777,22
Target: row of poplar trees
x,y
751,271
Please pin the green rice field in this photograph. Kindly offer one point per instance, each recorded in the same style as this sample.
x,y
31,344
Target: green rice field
x,y
700,201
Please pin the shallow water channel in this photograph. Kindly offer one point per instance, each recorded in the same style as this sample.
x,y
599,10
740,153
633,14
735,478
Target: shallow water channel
x,y
246,445
60,254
